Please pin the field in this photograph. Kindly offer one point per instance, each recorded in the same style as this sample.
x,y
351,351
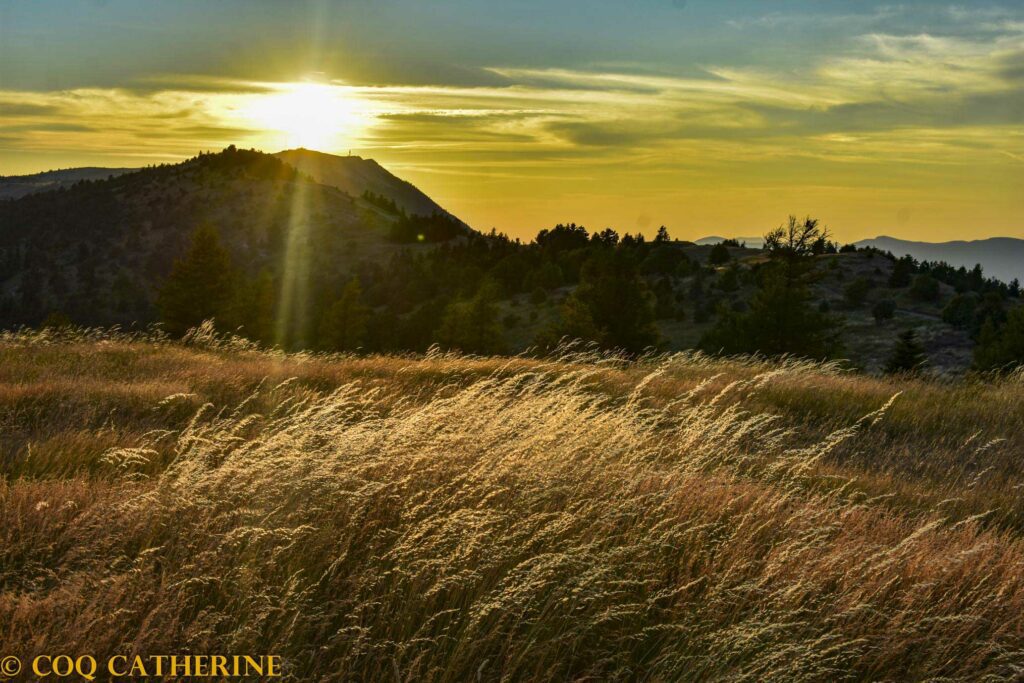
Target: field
x,y
447,518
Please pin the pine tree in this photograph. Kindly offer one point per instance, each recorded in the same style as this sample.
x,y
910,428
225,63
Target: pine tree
x,y
1001,346
201,284
908,355
781,318
719,254
611,305
344,326
255,306
472,326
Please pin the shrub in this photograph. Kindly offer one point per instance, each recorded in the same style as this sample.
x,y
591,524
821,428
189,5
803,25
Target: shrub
x,y
925,288
907,356
719,254
856,293
884,310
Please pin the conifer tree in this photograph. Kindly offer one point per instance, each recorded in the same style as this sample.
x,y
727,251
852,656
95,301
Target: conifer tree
x,y
908,355
611,305
1001,346
472,326
344,326
201,284
781,318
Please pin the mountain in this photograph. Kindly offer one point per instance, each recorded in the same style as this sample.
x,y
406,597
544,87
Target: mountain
x,y
351,174
358,176
14,187
750,242
97,251
1000,257
307,264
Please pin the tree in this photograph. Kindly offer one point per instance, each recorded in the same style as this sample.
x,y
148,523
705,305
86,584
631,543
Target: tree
x,y
563,238
472,326
611,305
662,235
719,255
1001,347
884,310
925,288
729,279
255,307
856,293
961,310
795,240
902,270
781,318
200,286
344,325
908,355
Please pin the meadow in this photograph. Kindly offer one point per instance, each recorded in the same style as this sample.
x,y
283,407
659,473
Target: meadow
x,y
452,518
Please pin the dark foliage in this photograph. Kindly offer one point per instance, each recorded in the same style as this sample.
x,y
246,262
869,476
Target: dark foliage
x,y
908,355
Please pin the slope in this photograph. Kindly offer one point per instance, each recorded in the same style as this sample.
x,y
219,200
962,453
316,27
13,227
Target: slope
x,y
357,176
1000,257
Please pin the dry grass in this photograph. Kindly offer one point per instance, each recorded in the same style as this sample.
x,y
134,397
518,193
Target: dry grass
x,y
450,519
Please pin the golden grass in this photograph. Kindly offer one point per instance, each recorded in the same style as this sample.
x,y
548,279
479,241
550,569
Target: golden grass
x,y
446,518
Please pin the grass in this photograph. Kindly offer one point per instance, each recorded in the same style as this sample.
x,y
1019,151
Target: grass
x,y
448,518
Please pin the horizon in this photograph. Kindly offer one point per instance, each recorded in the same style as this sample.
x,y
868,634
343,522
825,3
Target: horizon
x,y
881,120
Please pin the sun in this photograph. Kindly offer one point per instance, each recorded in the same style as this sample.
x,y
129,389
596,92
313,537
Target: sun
x,y
313,115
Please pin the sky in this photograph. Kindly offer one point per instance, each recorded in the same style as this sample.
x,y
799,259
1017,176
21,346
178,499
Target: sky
x,y
712,117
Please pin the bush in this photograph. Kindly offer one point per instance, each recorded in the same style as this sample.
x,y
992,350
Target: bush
x,y
719,254
856,293
884,310
925,288
908,355
1001,347
902,272
960,311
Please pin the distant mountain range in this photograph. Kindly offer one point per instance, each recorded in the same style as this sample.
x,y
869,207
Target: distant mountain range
x,y
14,187
750,242
1000,257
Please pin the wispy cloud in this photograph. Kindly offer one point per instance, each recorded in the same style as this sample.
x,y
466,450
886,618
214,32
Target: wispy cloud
x,y
883,109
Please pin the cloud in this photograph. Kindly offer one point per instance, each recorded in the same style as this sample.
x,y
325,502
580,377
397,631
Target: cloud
x,y
22,109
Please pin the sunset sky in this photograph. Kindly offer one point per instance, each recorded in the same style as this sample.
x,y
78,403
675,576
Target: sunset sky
x,y
709,117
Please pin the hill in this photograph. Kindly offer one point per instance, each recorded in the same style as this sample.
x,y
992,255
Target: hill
x,y
439,518
98,251
309,265
14,187
358,176
1000,257
752,242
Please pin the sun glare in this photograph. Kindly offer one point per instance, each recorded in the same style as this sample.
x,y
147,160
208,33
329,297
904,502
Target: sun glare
x,y
312,115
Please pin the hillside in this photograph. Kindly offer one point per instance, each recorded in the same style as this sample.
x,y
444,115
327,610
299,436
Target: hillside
x,y
350,174
1001,257
14,187
357,176
444,518
98,251
310,265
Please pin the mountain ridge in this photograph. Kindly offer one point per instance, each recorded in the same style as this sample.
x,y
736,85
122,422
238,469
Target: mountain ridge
x,y
17,186
999,257
98,250
352,174
356,176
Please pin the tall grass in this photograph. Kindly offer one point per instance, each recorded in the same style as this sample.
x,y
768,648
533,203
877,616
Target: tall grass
x,y
451,519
